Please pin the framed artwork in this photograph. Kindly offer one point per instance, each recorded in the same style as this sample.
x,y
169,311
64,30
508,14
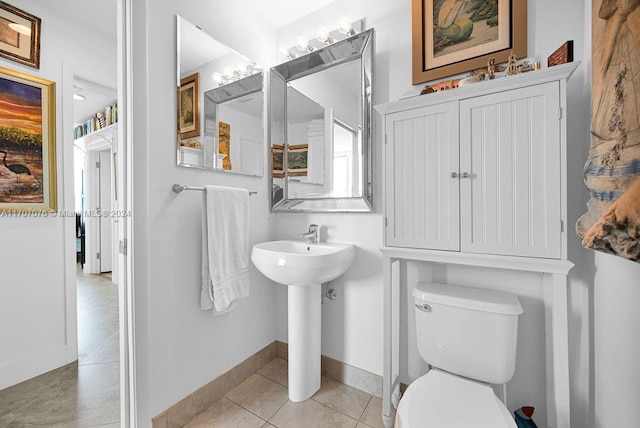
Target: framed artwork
x,y
277,160
224,144
455,36
27,143
297,158
19,35
189,107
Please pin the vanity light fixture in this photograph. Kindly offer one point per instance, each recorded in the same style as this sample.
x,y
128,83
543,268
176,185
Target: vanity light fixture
x,y
323,36
230,75
303,44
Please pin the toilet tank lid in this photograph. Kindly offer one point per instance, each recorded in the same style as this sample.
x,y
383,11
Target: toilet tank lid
x,y
478,299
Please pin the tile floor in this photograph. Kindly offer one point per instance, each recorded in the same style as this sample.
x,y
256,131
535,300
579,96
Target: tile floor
x,y
261,402
85,393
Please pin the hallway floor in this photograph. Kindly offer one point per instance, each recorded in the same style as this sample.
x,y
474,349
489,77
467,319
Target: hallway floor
x,y
85,393
261,401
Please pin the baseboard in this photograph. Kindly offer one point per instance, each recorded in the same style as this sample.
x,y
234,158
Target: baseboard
x,y
189,407
36,364
337,370
186,409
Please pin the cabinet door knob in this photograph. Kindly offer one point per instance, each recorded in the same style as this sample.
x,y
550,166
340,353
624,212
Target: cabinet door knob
x,y
454,175
465,175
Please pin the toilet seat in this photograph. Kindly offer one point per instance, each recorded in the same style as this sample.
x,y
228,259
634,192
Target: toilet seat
x,y
444,400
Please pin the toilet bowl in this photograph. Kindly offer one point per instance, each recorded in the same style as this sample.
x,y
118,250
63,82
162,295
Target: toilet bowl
x,y
468,336
443,400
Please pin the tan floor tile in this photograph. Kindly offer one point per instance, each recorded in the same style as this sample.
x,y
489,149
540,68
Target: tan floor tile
x,y
277,370
106,352
363,425
268,425
310,414
90,339
259,395
225,413
343,398
372,415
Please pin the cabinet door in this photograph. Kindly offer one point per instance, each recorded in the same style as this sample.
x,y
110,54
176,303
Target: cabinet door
x,y
421,197
510,146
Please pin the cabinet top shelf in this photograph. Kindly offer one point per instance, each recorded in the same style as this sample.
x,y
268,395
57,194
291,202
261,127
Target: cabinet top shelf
x,y
556,73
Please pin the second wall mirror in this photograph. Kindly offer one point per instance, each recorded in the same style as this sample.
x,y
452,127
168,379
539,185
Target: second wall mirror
x,y
220,105
320,129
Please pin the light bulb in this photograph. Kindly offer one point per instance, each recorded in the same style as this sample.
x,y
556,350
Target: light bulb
x,y
285,51
302,43
228,72
78,97
241,68
323,35
217,77
252,67
344,26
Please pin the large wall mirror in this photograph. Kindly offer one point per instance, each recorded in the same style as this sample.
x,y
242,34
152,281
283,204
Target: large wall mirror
x,y
320,129
220,105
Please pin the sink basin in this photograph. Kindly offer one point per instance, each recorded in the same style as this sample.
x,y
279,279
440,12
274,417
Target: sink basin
x,y
292,262
303,267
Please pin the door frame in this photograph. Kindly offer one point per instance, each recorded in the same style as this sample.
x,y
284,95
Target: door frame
x,y
124,188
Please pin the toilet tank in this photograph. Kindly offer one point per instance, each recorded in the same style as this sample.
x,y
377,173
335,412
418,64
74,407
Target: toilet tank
x,y
467,331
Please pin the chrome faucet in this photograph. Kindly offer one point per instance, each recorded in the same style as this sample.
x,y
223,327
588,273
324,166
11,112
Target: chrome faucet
x,y
313,235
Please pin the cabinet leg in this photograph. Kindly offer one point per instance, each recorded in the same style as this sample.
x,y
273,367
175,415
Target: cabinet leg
x,y
387,420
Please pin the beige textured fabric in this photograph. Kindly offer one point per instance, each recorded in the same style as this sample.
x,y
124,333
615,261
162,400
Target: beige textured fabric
x,y
618,230
613,168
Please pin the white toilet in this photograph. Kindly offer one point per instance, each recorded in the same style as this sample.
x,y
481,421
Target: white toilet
x,y
469,338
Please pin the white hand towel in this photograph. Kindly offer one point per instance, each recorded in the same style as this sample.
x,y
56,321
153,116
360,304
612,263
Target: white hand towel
x,y
225,247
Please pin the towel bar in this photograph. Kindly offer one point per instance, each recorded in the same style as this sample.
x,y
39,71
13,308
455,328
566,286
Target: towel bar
x,y
179,188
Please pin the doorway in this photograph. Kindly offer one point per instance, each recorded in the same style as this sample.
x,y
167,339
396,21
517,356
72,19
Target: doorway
x,y
98,321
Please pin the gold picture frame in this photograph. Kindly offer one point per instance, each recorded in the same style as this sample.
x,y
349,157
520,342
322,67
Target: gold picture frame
x,y
462,36
27,143
297,160
277,161
189,107
19,35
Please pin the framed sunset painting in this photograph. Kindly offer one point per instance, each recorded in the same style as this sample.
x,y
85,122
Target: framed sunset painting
x,y
27,143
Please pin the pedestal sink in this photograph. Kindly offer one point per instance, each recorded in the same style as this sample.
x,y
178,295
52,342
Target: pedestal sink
x,y
303,267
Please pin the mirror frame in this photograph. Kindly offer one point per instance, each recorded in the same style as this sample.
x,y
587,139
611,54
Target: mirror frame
x,y
358,47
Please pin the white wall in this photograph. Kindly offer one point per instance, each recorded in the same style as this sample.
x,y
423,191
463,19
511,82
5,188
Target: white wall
x,y
37,255
616,349
179,348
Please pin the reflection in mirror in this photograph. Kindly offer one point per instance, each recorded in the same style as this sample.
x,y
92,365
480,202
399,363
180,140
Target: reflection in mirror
x,y
220,105
320,117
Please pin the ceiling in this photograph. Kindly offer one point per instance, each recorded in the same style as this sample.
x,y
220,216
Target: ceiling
x,y
98,16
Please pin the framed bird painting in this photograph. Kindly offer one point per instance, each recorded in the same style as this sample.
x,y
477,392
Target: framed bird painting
x,y
27,144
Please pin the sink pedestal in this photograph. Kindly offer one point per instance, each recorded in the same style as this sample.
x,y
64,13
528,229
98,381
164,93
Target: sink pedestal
x,y
304,341
303,267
